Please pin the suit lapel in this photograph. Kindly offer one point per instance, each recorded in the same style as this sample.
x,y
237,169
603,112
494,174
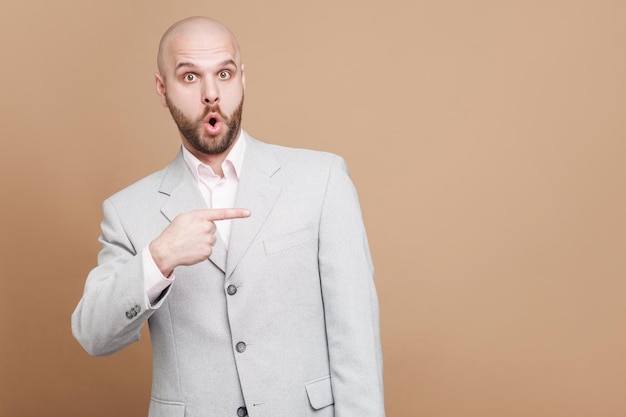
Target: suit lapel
x,y
184,196
256,192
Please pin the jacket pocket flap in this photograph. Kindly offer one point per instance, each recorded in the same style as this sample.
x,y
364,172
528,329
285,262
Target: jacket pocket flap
x,y
320,392
289,240
159,408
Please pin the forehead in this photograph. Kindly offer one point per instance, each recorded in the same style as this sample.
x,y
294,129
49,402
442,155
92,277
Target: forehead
x,y
202,49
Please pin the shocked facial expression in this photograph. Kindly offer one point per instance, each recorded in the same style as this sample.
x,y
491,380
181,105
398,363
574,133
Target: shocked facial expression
x,y
202,83
212,133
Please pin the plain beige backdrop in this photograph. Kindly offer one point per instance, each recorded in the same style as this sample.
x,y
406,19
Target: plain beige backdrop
x,y
487,140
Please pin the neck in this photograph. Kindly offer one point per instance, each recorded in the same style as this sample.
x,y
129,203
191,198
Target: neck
x,y
215,160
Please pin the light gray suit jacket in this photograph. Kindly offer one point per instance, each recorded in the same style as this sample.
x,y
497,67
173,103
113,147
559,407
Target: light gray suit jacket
x,y
285,321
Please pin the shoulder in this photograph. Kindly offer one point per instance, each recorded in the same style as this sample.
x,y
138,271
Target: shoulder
x,y
298,159
145,188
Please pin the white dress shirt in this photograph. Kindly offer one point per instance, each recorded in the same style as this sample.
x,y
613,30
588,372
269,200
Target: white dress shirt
x,y
218,192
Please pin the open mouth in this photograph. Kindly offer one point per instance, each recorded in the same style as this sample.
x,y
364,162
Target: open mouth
x,y
213,124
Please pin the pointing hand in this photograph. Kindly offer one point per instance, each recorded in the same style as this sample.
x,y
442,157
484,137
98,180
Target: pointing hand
x,y
189,239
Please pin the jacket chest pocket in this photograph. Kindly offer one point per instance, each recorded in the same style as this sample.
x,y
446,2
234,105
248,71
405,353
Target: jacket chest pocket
x,y
283,242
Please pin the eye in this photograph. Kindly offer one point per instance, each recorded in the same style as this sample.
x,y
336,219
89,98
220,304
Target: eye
x,y
189,77
223,75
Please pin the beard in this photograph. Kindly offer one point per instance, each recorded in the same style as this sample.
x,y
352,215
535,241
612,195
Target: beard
x,y
199,138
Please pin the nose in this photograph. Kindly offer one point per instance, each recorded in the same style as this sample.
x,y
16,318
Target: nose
x,y
210,93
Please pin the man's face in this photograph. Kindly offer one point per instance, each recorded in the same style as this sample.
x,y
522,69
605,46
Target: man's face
x,y
199,135
202,83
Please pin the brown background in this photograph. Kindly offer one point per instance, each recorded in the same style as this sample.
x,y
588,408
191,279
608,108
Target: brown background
x,y
486,138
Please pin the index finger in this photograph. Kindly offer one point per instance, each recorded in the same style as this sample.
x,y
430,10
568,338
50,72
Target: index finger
x,y
226,213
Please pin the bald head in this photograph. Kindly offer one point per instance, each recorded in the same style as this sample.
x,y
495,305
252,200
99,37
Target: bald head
x,y
193,27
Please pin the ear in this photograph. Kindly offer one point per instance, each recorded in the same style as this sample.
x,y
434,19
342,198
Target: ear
x,y
160,88
243,77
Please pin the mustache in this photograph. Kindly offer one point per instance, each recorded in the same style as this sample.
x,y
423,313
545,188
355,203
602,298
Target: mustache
x,y
212,109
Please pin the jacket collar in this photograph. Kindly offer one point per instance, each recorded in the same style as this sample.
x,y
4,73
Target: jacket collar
x,y
256,192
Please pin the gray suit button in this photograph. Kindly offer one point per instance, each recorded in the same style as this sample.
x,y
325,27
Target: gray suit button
x,y
231,290
242,412
133,311
241,347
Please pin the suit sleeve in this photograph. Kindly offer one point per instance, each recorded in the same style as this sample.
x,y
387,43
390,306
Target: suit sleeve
x,y
114,304
350,301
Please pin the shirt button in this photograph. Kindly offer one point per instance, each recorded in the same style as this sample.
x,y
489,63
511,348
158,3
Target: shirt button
x,y
242,412
241,347
231,290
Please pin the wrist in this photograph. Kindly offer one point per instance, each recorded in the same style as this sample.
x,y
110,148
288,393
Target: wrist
x,y
161,259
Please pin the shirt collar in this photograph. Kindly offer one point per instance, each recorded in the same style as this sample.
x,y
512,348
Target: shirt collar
x,y
234,159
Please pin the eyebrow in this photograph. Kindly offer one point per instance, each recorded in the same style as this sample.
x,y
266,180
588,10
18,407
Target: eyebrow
x,y
185,65
229,62
191,65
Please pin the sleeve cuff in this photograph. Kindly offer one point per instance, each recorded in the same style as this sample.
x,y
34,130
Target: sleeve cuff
x,y
154,281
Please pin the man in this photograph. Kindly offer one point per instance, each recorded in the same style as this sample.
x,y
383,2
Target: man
x,y
265,310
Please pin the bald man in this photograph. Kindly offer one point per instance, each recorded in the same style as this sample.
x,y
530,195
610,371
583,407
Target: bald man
x,y
249,261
